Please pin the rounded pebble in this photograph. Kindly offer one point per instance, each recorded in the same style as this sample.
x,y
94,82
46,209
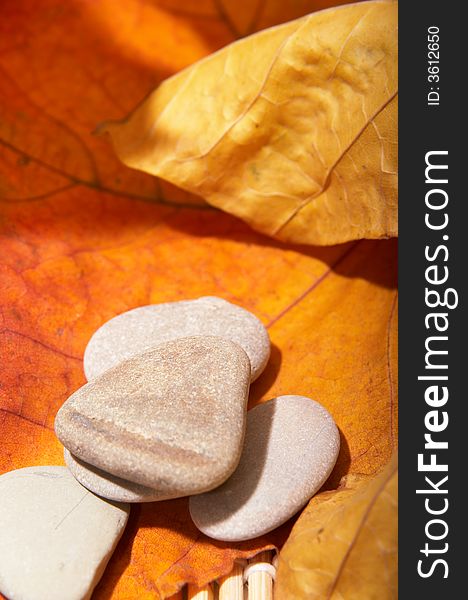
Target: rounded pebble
x,y
140,329
172,419
290,449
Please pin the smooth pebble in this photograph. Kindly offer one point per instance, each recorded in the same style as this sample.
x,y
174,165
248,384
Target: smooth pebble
x,y
55,536
140,329
109,486
172,419
290,449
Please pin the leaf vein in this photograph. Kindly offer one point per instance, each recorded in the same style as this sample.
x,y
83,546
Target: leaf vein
x,y
312,197
358,531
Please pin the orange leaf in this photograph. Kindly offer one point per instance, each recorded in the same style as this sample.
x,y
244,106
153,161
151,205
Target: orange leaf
x,y
79,243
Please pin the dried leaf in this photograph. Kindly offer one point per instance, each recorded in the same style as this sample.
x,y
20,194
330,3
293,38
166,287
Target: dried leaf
x,y
292,129
345,543
79,243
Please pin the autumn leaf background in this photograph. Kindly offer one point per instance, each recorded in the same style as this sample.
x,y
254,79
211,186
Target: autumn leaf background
x,y
83,238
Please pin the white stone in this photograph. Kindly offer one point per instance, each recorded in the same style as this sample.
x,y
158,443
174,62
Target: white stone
x,y
140,329
290,449
56,537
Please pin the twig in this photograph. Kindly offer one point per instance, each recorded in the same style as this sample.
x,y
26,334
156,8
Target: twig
x,y
204,593
231,587
259,575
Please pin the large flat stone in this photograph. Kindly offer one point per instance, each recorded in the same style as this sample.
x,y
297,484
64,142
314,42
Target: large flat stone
x,y
142,328
172,419
56,537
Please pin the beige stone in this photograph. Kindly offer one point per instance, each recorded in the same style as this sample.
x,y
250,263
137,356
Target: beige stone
x,y
291,446
172,419
56,537
109,486
140,329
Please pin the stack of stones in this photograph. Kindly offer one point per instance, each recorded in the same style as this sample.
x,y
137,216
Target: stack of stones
x,y
164,415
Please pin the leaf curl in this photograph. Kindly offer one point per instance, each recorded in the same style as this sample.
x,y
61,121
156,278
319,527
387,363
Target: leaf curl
x,y
292,129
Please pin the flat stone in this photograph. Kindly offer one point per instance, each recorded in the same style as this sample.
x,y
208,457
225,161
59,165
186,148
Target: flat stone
x,y
172,419
291,446
140,329
109,486
55,536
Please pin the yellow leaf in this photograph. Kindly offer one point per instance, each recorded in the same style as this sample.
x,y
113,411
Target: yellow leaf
x,y
292,129
344,546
